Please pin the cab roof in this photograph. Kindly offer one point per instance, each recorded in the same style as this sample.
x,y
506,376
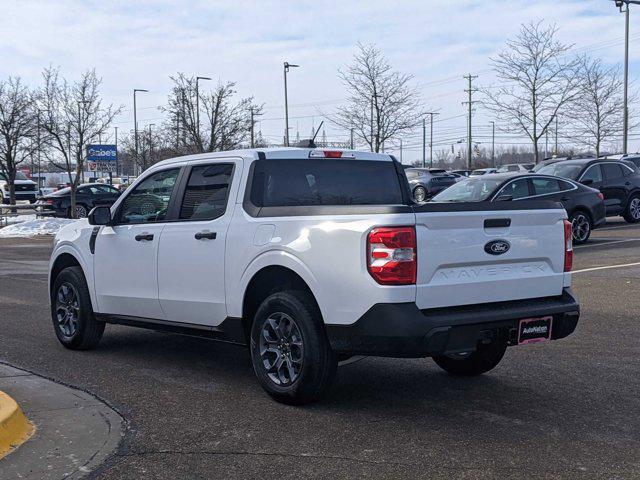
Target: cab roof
x,y
293,153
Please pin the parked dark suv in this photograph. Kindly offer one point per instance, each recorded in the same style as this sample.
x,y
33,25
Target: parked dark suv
x,y
618,180
426,182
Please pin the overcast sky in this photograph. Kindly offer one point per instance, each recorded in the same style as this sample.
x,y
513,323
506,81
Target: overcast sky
x,y
138,44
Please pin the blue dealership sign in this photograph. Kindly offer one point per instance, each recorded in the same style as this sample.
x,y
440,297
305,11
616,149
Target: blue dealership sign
x,y
102,153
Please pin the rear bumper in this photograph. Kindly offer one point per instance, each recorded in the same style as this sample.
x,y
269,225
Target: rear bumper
x,y
402,330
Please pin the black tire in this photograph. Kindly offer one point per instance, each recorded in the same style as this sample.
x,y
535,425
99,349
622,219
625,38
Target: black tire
x,y
632,212
581,226
485,358
419,194
88,331
316,362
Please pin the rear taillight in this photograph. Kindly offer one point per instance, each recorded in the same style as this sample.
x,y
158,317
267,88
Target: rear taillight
x,y
568,246
601,196
391,255
49,201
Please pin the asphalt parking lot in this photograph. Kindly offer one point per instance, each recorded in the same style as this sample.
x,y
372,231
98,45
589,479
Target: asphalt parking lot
x,y
566,409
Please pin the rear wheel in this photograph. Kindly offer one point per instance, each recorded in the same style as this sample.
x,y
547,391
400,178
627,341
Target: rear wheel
x,y
290,351
73,320
580,227
80,211
485,358
632,213
419,194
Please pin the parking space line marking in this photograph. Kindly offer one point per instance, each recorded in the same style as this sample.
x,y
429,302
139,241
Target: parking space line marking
x,y
607,267
608,243
617,226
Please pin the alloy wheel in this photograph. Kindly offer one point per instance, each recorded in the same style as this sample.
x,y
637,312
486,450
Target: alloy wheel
x,y
81,212
281,348
67,309
419,194
634,208
580,227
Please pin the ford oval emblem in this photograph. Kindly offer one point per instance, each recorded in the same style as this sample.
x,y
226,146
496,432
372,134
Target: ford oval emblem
x,y
497,247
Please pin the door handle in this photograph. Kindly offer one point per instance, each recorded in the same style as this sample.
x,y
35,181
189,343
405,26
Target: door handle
x,y
627,183
144,236
565,199
205,236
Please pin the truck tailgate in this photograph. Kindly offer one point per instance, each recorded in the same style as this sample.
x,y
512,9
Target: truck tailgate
x,y
458,266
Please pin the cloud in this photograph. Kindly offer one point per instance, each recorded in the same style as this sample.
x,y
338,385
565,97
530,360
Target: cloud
x,y
139,44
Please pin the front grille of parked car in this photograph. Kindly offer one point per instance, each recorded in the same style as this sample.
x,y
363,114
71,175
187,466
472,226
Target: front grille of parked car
x,y
26,188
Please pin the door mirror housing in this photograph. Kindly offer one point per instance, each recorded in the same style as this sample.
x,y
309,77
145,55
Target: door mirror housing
x,y
587,181
503,198
100,215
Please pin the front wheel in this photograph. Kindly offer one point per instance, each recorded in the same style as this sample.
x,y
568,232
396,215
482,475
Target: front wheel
x,y
485,358
580,227
73,319
632,213
290,352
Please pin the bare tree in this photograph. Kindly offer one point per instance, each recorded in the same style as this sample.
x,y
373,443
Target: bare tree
x,y
224,125
597,111
18,125
72,117
382,104
539,80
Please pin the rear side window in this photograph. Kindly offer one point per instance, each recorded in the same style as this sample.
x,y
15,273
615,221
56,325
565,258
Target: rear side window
x,y
545,186
280,183
205,197
611,170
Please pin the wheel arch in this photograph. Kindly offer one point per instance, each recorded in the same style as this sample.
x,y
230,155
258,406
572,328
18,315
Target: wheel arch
x,y
68,257
265,282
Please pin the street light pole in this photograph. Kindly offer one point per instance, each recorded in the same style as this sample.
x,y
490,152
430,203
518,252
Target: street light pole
x,y
625,113
287,66
135,129
198,106
431,114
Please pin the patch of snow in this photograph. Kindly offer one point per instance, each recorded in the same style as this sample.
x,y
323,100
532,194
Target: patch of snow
x,y
20,219
34,226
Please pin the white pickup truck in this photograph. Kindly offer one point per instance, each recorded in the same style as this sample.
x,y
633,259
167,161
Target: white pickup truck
x,y
310,256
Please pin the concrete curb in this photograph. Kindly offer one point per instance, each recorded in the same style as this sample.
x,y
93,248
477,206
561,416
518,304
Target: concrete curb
x,y
15,429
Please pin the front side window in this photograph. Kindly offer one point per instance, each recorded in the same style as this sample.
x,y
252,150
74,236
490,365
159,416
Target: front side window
x,y
593,173
309,182
205,197
516,189
149,200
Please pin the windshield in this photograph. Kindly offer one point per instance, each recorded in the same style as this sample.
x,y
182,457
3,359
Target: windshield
x,y
562,169
19,176
469,190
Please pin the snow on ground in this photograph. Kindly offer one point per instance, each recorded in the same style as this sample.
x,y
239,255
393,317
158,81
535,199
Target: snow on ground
x,y
29,226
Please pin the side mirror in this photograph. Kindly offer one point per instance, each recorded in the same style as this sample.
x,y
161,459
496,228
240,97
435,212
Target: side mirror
x,y
587,181
100,215
503,198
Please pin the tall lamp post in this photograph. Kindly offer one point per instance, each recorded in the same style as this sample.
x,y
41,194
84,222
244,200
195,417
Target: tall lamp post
x,y
287,66
625,118
198,105
135,127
